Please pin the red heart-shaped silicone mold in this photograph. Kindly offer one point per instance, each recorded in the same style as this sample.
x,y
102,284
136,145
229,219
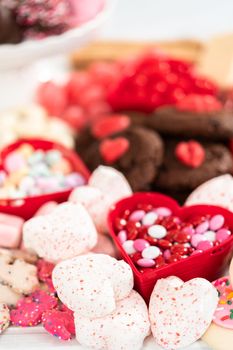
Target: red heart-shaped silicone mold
x,y
27,206
209,264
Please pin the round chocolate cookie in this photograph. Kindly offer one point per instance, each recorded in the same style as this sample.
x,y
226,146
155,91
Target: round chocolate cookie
x,y
135,151
216,125
188,164
9,30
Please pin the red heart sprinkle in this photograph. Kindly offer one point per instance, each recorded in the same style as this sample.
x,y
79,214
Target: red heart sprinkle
x,y
113,149
110,125
199,103
190,153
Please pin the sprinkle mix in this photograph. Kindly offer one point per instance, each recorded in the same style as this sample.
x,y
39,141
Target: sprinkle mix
x,y
154,237
224,313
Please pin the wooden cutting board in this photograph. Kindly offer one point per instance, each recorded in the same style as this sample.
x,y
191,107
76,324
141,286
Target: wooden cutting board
x,y
112,50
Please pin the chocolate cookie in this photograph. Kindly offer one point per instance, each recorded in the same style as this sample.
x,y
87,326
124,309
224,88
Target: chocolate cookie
x,y
135,151
9,29
186,165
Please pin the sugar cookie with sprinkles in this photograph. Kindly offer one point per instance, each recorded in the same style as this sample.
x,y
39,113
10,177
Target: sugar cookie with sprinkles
x,y
219,335
4,317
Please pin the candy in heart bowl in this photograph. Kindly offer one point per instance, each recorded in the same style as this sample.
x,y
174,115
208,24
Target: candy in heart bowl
x,y
35,171
158,238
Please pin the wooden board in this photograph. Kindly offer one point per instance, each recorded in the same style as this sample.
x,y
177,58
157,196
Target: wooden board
x,y
112,50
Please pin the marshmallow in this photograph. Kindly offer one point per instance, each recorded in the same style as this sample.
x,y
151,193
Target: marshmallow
x,y
91,284
106,187
179,312
67,232
125,328
217,191
10,230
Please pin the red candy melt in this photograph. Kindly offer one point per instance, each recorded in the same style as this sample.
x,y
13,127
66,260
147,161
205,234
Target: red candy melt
x,y
110,125
199,104
113,149
190,153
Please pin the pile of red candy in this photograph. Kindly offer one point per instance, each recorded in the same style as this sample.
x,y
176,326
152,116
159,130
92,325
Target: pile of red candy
x,y
154,237
141,84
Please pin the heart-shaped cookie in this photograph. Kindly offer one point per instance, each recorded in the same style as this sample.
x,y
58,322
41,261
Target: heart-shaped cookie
x,y
179,312
207,262
67,232
92,283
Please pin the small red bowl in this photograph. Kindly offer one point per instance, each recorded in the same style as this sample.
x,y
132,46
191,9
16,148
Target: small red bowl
x,y
26,207
209,264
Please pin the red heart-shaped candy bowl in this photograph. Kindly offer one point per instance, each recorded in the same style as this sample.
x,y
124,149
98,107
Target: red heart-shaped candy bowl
x,y
27,206
209,264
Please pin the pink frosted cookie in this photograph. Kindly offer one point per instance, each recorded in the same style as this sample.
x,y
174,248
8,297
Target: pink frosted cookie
x,y
10,230
125,328
59,323
105,246
29,310
219,335
46,208
217,191
179,312
67,232
4,317
91,284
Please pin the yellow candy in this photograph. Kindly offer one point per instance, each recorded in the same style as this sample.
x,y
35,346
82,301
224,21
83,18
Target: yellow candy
x,y
62,167
26,150
15,177
230,295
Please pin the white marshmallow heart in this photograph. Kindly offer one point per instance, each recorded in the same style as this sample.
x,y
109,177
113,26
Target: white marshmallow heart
x,y
106,187
91,284
217,191
125,328
67,232
111,182
179,312
95,203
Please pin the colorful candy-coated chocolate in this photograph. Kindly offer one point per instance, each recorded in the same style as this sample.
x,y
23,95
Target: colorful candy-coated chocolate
x,y
169,238
151,252
129,247
122,236
202,227
204,245
216,222
223,234
140,244
150,218
157,231
145,262
137,215
163,211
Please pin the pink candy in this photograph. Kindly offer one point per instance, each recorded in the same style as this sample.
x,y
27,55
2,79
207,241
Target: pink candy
x,y
204,245
216,222
140,244
163,211
222,234
122,236
203,227
196,239
144,262
10,230
137,215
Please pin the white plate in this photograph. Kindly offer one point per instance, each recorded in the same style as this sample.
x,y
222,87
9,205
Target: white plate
x,y
13,56
36,338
